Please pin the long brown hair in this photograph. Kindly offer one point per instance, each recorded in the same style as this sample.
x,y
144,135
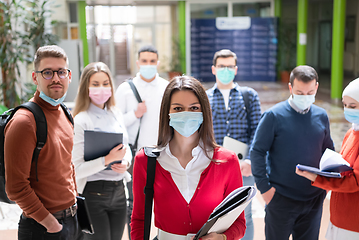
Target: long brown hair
x,y
82,99
206,134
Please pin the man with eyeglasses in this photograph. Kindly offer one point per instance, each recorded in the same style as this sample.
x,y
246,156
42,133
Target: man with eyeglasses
x,y
46,191
231,118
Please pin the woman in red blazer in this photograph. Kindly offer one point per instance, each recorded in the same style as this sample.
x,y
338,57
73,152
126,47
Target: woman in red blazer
x,y
193,174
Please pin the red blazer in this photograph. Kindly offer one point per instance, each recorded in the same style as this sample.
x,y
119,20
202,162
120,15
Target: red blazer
x,y
172,213
344,201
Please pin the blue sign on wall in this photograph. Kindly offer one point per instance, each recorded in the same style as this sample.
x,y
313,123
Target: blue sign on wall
x,y
254,42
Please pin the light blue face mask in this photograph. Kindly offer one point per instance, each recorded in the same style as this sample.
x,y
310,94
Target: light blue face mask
x,y
148,71
351,115
225,75
50,100
186,123
303,101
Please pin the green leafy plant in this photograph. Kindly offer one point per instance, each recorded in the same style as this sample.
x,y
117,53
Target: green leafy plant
x,y
287,46
39,35
15,40
13,48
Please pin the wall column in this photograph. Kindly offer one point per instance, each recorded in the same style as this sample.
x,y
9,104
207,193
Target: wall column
x,y
338,49
81,10
302,31
278,8
182,33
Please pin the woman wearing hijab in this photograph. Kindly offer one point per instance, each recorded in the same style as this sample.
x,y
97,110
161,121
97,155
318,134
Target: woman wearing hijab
x,y
344,200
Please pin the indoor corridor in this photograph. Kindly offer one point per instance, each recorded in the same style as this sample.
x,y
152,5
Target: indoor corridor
x,y
269,93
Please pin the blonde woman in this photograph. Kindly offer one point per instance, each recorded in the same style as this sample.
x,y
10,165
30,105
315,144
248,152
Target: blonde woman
x,y
103,189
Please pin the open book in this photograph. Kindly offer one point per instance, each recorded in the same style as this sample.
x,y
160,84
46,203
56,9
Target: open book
x,y
227,211
331,165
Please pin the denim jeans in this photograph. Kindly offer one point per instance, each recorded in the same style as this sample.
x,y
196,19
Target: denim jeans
x,y
248,181
29,229
106,201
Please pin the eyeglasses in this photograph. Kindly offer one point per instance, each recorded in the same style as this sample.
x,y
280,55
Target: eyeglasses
x,y
48,74
231,67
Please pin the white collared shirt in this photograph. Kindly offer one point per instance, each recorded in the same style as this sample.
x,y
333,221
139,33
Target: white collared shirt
x,y
186,179
94,118
152,94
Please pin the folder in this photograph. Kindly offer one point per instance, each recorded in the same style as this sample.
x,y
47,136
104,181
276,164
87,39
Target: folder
x,y
227,211
99,144
331,165
240,148
83,216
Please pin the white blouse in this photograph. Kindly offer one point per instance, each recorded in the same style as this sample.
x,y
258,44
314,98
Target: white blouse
x,y
186,179
103,120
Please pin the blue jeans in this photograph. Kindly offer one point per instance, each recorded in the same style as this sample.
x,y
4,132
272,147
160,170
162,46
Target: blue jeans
x,y
29,229
248,181
106,201
285,216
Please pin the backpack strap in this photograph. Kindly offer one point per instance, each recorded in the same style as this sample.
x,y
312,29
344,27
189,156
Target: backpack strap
x,y
67,113
41,128
245,94
151,170
134,90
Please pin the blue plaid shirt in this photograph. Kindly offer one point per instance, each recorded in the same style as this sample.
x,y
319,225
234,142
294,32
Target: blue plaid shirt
x,y
233,122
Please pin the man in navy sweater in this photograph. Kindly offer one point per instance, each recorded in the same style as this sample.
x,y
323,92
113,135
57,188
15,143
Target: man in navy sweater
x,y
291,132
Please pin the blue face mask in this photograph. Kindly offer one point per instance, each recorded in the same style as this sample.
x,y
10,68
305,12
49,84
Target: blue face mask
x,y
148,71
50,100
303,101
225,75
351,115
186,123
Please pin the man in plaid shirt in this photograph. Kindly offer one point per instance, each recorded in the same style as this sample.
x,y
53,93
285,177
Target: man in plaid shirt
x,y
229,115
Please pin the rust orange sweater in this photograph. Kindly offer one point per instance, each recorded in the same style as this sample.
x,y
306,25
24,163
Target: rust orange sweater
x,y
344,201
56,188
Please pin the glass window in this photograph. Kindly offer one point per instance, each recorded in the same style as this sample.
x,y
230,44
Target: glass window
x,y
102,14
73,12
251,9
89,14
211,10
144,14
163,13
74,32
61,30
163,43
123,14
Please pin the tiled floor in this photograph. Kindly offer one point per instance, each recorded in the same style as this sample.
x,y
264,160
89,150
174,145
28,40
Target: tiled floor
x,y
269,93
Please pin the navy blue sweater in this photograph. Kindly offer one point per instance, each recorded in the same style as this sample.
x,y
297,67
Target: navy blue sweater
x,y
289,138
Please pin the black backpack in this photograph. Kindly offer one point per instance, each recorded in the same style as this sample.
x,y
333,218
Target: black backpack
x,y
41,136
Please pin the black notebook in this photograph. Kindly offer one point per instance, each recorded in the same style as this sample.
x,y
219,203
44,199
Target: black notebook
x,y
83,216
99,144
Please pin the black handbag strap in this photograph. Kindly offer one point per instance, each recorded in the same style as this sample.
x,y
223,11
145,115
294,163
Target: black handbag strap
x,y
138,97
151,170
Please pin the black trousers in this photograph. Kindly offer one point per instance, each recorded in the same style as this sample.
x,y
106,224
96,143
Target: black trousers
x,y
106,201
29,229
285,216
